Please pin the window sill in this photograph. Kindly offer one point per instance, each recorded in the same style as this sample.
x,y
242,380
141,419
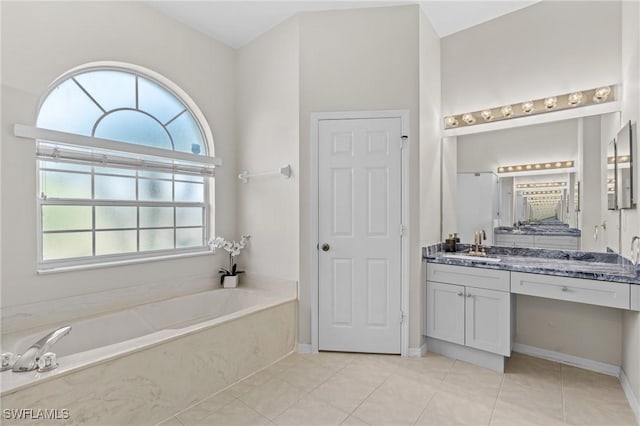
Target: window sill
x,y
43,270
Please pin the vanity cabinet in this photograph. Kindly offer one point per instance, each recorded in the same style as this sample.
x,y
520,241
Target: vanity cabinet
x,y
554,242
601,293
470,307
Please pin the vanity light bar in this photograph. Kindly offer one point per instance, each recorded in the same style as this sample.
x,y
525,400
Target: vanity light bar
x,y
621,159
539,185
531,107
557,191
536,166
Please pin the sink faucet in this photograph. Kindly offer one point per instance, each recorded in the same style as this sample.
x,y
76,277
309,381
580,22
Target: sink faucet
x,y
477,249
635,249
29,360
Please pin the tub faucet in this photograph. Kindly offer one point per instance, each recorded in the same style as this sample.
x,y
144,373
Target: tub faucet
x,y
29,360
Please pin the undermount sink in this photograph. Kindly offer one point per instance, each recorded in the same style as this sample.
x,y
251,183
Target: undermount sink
x,y
472,258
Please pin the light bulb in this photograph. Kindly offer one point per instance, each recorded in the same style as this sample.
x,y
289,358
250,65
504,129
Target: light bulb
x,y
550,102
452,121
575,99
527,107
486,114
507,111
602,94
469,118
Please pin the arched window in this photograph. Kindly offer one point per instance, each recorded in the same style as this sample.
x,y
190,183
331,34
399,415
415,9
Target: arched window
x,y
124,169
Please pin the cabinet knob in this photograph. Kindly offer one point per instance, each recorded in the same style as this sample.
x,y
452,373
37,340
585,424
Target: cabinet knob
x,y
460,293
564,288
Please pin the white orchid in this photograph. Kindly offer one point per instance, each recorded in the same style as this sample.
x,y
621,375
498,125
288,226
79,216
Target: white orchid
x,y
233,248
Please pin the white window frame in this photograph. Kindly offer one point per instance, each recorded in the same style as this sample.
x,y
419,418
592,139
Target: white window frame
x,y
59,146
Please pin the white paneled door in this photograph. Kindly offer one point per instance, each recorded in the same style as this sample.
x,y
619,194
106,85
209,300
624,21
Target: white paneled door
x,y
360,235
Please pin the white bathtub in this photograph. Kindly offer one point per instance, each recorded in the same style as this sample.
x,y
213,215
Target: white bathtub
x,y
205,341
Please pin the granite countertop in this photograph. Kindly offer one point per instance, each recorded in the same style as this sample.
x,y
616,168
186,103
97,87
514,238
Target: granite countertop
x,y
563,263
555,230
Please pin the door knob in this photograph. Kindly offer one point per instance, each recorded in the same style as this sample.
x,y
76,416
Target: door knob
x,y
325,247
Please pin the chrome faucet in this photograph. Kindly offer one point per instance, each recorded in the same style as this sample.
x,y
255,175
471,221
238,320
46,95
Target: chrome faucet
x,y
635,249
29,360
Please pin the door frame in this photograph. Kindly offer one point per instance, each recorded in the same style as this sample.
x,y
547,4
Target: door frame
x,y
316,117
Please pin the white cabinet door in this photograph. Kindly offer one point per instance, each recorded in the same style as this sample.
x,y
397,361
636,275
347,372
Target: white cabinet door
x,y
487,318
445,312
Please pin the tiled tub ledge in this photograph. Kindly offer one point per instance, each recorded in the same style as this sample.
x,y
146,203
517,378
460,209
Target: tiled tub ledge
x,y
563,263
147,378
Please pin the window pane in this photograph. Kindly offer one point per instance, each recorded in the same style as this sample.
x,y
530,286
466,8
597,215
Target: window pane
x,y
189,192
68,109
188,216
191,237
156,239
154,190
113,242
190,178
115,188
156,217
155,175
65,185
186,135
114,171
111,89
60,218
157,101
66,245
115,217
134,127
64,166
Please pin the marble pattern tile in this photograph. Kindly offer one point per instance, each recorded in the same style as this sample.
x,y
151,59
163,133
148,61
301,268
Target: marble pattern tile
x,y
149,386
311,412
563,263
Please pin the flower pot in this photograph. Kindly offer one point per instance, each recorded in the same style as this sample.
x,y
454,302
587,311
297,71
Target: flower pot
x,y
230,281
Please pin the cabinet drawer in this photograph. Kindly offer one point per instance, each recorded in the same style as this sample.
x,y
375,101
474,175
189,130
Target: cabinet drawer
x,y
602,293
556,242
517,240
469,276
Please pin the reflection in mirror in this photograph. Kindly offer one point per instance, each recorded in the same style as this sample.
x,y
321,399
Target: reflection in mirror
x,y
612,199
624,168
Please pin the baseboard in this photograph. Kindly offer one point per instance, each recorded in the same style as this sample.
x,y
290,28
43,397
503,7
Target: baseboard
x,y
631,397
576,361
304,348
418,352
477,357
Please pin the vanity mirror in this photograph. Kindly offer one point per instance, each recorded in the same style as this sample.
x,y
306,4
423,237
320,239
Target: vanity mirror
x,y
624,167
612,175
550,183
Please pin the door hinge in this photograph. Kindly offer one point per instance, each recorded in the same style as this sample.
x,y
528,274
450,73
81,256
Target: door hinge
x,y
404,140
401,317
402,230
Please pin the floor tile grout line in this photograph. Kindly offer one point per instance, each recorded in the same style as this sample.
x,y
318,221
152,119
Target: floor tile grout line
x,y
493,409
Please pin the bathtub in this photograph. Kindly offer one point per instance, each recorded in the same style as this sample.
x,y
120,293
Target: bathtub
x,y
143,364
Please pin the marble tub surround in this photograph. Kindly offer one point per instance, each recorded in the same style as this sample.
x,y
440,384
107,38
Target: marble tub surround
x,y
563,263
551,230
146,386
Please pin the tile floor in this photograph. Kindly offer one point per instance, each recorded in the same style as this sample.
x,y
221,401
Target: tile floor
x,y
356,389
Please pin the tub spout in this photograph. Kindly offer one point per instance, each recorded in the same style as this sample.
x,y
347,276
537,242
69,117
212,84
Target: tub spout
x,y
29,360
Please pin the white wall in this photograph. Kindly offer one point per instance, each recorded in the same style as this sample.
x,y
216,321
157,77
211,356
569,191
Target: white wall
x,y
41,41
517,62
428,212
268,137
364,59
513,59
631,218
